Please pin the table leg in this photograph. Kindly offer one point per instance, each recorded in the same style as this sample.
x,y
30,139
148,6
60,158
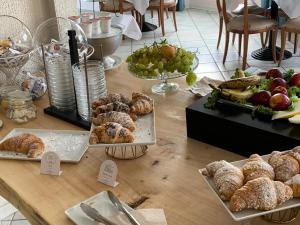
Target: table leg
x,y
265,54
148,26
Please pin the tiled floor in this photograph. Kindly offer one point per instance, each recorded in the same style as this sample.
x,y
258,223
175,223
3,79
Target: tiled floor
x,y
198,30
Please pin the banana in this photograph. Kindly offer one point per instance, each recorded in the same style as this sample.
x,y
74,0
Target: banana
x,y
240,83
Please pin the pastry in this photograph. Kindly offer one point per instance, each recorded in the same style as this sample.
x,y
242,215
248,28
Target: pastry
x,y
111,98
294,183
25,143
227,178
141,104
261,193
117,117
256,167
110,133
284,164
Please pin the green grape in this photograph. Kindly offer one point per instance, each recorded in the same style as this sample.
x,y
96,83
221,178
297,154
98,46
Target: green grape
x,y
191,78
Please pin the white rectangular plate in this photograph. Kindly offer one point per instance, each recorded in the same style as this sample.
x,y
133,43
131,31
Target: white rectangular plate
x,y
100,202
70,145
144,133
247,214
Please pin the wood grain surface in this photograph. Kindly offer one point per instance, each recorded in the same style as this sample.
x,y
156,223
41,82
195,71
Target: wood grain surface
x,y
166,177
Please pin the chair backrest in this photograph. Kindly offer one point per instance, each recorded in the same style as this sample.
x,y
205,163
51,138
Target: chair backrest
x,y
227,12
118,4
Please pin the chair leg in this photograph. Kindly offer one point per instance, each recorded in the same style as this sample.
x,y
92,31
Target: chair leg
x,y
246,39
296,43
220,31
283,41
290,36
174,18
233,38
167,12
226,46
240,43
274,36
267,38
162,20
151,13
158,16
262,40
132,13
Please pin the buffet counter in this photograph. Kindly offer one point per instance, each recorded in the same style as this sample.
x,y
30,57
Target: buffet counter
x,y
166,177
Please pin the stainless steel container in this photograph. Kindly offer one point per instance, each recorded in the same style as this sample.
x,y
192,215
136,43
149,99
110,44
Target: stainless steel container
x,y
110,42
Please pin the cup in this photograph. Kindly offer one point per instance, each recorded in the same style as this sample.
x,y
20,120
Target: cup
x,y
105,22
86,17
87,27
96,26
75,19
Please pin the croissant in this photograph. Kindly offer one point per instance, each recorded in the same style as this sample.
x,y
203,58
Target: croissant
x,y
111,98
227,178
261,193
115,106
111,133
284,164
117,117
141,104
294,183
25,143
256,167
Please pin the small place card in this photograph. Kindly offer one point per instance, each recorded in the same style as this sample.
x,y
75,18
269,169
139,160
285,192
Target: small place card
x,y
108,173
50,164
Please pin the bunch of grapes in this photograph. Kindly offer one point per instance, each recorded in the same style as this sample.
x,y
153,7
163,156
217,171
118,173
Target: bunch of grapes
x,y
151,61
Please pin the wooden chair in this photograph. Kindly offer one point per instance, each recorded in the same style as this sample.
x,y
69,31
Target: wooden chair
x,y
292,26
253,9
116,6
246,25
160,6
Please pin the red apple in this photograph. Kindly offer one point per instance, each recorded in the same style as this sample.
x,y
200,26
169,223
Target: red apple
x,y
260,98
280,102
295,80
274,73
279,89
277,82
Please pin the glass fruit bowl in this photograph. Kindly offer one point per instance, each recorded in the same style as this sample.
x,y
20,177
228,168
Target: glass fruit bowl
x,y
161,61
15,48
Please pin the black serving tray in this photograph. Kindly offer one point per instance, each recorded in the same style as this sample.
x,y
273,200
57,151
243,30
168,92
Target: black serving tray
x,y
235,130
68,116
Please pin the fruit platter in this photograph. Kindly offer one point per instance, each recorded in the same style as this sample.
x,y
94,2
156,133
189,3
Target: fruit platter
x,y
272,94
163,61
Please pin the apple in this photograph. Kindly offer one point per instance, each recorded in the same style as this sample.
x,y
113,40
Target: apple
x,y
280,102
274,73
281,90
277,82
261,98
295,80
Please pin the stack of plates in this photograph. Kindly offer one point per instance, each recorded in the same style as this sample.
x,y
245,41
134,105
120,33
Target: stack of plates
x,y
96,83
61,87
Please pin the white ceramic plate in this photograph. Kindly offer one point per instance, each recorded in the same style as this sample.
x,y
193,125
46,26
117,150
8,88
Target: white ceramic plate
x,y
70,145
249,213
144,133
101,203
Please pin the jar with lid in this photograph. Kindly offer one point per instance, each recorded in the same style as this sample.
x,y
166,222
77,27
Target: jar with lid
x,y
4,90
20,107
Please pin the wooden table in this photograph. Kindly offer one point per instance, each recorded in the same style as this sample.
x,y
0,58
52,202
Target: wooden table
x,y
167,175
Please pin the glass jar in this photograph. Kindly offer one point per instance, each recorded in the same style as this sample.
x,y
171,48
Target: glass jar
x,y
20,107
4,90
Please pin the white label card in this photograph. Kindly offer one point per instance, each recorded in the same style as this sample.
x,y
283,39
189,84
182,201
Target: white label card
x,y
108,173
50,164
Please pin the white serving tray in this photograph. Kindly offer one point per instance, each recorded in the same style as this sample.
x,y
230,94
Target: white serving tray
x,y
247,214
70,145
101,203
144,133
